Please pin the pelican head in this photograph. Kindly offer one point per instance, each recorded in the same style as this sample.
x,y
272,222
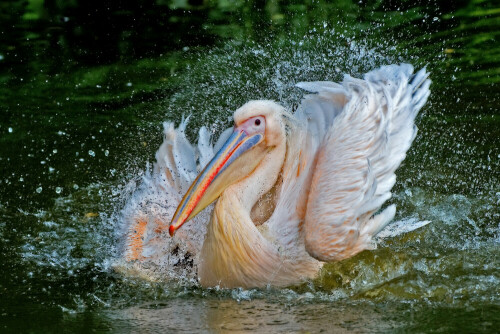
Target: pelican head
x,y
258,129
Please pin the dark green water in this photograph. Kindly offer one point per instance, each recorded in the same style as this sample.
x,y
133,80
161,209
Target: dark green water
x,y
84,88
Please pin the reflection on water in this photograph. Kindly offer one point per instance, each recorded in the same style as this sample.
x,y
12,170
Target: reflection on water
x,y
253,315
82,98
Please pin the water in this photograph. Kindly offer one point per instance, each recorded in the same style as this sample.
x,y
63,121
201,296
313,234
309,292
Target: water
x,y
82,104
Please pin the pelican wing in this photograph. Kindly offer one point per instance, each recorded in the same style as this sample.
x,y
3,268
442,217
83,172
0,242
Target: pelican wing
x,y
147,249
306,129
359,150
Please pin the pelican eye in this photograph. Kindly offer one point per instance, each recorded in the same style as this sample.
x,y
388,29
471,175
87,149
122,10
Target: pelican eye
x,y
253,125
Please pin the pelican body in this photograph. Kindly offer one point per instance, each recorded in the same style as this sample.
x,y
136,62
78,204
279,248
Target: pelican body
x,y
291,190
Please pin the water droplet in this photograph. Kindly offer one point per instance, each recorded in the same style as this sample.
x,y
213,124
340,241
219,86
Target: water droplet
x,y
129,84
58,190
51,169
106,152
39,189
75,186
54,151
91,153
10,130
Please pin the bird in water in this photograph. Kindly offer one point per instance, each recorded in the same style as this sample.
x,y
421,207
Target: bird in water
x,y
280,193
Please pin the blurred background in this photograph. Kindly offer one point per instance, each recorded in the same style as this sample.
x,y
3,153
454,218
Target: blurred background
x,y
86,85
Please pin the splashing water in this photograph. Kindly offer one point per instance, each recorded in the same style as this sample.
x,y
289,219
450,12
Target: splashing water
x,y
59,242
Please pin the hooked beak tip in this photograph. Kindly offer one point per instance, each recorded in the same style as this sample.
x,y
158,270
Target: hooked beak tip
x,y
171,230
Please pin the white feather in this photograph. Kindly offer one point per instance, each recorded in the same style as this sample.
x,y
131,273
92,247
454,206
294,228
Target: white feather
x,y
153,204
357,158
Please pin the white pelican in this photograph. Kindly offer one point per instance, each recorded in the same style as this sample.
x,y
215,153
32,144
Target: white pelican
x,y
292,190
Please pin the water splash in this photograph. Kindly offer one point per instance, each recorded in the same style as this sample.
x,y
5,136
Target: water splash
x,y
67,252
223,79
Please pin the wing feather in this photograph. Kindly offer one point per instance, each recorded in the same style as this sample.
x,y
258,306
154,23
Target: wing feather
x,y
305,130
358,155
147,249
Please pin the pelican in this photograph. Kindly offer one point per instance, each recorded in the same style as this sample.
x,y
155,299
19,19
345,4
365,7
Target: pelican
x,y
280,193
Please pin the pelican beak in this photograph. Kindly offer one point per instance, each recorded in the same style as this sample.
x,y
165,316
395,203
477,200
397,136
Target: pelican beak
x,y
237,158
